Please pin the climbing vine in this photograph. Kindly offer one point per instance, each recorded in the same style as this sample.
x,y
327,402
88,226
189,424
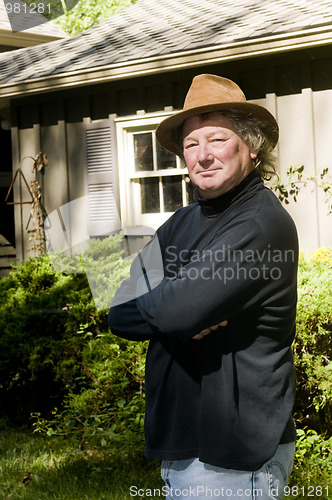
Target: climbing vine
x,y
37,210
296,180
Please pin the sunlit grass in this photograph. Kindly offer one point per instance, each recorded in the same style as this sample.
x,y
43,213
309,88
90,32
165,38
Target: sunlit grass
x,y
32,467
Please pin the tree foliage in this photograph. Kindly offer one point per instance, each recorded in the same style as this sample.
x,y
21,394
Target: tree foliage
x,y
88,13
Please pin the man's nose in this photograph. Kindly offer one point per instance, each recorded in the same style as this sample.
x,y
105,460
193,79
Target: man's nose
x,y
204,152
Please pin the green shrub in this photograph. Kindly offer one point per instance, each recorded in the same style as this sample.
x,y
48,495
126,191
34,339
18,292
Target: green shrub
x,y
42,340
311,446
312,473
106,404
313,345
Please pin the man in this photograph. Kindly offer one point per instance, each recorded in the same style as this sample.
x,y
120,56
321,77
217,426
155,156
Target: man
x,y
221,319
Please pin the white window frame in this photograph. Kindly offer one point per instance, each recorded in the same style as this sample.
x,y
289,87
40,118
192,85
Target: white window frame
x,y
130,200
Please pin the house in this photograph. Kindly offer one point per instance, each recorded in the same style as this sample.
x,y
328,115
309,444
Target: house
x,y
25,36
92,102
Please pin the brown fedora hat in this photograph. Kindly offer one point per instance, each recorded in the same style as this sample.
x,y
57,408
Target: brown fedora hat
x,y
213,93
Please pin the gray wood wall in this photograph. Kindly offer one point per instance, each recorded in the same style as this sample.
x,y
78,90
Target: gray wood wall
x,y
296,87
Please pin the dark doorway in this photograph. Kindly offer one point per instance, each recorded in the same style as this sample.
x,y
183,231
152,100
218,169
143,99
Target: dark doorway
x,y
7,228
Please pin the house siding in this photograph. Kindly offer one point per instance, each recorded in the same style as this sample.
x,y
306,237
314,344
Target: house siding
x,y
295,87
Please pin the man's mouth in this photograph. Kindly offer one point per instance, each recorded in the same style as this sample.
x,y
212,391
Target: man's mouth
x,y
209,171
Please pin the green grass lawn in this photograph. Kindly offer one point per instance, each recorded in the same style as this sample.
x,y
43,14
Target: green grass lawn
x,y
35,468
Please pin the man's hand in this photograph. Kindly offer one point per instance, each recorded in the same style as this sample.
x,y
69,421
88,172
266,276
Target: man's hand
x,y
207,331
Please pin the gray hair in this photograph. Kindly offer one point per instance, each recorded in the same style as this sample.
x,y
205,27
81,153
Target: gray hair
x,y
251,131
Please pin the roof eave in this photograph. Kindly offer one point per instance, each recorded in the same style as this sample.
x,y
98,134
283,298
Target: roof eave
x,y
25,39
160,64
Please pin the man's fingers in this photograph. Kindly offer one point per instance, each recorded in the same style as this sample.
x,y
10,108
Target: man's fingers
x,y
199,336
202,334
205,332
213,328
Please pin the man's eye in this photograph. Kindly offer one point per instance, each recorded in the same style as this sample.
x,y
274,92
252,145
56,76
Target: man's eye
x,y
189,145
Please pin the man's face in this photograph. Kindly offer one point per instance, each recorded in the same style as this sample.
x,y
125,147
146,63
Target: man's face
x,y
216,157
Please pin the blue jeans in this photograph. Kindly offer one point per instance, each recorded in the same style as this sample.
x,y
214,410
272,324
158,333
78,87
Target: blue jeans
x,y
194,479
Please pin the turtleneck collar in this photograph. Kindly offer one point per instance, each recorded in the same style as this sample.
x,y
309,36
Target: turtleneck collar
x,y
221,203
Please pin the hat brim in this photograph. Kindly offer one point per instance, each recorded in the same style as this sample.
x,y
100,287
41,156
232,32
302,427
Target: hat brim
x,y
169,127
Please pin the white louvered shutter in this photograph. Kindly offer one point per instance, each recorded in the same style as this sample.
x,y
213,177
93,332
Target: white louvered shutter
x,y
101,178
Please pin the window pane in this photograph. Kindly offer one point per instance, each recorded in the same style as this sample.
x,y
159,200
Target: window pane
x,y
165,159
189,191
150,195
172,189
143,152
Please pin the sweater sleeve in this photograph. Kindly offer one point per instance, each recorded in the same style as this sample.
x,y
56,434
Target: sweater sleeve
x,y
146,272
226,278
126,321
223,281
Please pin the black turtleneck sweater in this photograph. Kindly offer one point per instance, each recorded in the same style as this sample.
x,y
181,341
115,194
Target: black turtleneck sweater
x,y
226,399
